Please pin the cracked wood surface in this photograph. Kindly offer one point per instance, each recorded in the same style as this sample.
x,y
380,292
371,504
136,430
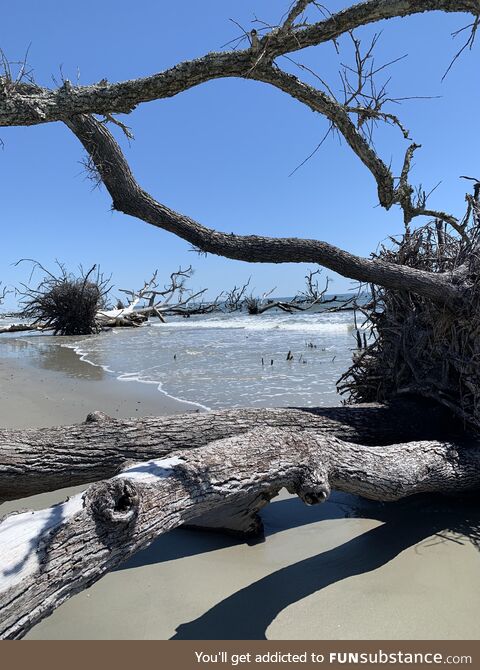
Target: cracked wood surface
x,y
37,460
50,555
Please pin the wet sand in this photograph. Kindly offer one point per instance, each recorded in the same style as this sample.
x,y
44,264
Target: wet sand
x,y
52,386
343,570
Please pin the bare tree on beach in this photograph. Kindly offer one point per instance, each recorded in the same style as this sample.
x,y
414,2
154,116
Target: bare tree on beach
x,y
416,387
235,298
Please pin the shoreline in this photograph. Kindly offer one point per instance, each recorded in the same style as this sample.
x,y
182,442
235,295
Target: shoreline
x,y
347,569
40,389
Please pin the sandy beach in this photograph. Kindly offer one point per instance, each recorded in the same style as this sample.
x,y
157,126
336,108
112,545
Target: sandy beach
x,y
343,570
54,387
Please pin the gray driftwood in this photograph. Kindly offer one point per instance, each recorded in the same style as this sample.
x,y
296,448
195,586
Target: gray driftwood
x,y
45,459
50,555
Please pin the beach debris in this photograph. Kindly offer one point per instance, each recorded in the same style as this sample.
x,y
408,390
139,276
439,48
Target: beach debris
x,y
66,303
19,328
359,340
173,299
234,298
313,294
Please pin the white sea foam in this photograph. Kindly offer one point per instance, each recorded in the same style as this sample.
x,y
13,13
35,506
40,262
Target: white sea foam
x,y
313,323
260,326
215,361
135,376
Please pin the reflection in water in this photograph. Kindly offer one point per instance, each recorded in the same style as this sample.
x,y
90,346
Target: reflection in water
x,y
45,353
215,361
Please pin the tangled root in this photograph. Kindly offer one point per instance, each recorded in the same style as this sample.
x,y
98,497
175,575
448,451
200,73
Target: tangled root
x,y
66,303
420,347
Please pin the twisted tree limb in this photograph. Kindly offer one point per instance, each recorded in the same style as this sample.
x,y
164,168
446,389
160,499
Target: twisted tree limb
x,y
130,198
24,104
48,556
28,104
38,460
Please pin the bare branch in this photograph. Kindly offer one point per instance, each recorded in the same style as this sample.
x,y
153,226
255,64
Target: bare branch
x,y
30,104
468,44
125,129
3,292
298,8
234,298
129,198
312,293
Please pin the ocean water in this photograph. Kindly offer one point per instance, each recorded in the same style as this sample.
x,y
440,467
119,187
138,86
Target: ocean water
x,y
215,361
226,360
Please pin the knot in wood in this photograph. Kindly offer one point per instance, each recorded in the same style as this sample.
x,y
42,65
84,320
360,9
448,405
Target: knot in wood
x,y
115,501
97,417
312,484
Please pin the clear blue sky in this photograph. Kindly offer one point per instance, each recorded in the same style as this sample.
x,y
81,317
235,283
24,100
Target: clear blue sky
x,y
222,152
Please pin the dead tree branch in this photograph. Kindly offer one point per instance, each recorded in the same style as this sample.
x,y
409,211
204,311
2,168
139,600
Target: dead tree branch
x,y
49,555
131,199
28,104
39,460
313,294
174,298
235,298
256,62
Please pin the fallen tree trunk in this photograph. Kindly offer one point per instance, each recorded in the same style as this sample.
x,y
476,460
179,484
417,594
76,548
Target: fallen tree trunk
x,y
20,328
38,460
48,556
133,320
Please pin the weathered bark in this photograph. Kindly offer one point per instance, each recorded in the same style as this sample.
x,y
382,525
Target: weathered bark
x,y
48,556
38,460
26,104
130,198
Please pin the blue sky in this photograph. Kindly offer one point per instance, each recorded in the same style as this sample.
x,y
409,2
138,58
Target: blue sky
x,y
222,152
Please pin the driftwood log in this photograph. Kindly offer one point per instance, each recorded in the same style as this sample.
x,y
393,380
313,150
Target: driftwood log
x,y
46,459
19,328
49,555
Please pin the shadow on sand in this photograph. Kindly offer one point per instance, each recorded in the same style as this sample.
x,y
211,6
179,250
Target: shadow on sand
x,y
404,524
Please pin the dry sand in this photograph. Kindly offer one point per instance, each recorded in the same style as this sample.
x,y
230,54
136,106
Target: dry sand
x,y
343,570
